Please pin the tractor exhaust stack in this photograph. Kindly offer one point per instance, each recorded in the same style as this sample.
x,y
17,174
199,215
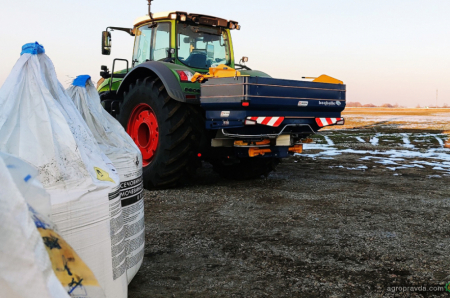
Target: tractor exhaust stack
x,y
153,24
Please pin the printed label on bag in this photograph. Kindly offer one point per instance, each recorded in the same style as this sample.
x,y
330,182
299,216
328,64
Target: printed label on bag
x,y
132,192
118,249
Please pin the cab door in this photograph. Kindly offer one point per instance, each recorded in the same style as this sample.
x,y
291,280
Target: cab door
x,y
161,44
152,44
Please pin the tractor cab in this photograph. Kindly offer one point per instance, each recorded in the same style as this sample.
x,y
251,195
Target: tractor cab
x,y
192,40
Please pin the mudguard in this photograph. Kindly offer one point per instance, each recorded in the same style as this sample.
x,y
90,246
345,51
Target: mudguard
x,y
159,69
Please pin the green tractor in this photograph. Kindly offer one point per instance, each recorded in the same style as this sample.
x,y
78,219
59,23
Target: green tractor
x,y
177,122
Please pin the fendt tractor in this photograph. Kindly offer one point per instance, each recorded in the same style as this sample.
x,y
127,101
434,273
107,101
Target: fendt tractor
x,y
184,99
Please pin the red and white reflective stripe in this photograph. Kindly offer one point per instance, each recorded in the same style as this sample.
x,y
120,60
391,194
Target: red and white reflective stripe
x,y
269,121
327,121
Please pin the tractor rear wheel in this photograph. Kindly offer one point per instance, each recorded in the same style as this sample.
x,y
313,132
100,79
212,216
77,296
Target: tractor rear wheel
x,y
162,129
246,168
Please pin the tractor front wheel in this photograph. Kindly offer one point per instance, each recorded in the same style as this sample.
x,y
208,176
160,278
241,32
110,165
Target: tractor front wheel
x,y
162,130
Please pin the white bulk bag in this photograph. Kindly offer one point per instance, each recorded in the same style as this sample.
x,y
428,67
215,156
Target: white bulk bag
x,y
40,124
127,159
25,268
25,228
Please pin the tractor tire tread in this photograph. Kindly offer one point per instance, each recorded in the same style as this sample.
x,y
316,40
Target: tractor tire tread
x,y
174,152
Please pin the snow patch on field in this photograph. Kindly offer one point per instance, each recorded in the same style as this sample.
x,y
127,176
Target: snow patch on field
x,y
406,141
439,141
329,141
374,141
394,159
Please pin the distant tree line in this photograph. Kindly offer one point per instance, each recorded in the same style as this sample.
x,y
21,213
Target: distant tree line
x,y
355,104
444,106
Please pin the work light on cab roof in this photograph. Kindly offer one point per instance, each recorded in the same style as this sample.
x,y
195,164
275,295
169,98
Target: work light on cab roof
x,y
181,16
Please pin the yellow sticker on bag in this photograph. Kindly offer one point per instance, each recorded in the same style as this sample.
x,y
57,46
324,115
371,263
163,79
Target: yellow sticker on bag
x,y
69,268
103,175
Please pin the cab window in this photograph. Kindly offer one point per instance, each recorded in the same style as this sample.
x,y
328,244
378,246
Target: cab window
x,y
142,45
151,44
202,46
162,41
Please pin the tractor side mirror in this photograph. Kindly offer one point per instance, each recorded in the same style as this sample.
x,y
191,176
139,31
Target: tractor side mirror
x,y
106,43
244,59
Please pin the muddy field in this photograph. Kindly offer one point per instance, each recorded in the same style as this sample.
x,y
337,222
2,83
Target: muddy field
x,y
361,211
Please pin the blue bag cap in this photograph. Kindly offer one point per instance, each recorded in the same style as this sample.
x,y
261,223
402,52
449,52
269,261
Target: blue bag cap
x,y
32,48
81,81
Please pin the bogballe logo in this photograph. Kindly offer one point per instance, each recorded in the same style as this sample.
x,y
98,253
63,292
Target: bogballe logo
x,y
447,287
327,103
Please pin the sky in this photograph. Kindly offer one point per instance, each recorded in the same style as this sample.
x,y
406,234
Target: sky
x,y
386,51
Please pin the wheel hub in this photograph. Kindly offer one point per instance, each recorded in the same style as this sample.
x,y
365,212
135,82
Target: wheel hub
x,y
143,129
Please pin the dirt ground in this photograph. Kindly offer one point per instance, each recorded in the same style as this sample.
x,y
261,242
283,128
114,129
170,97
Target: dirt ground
x,y
360,212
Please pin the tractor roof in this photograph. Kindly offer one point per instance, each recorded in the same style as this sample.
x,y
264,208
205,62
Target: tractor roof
x,y
156,16
197,18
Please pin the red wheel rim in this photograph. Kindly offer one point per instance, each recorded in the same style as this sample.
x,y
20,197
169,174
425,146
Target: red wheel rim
x,y
143,129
